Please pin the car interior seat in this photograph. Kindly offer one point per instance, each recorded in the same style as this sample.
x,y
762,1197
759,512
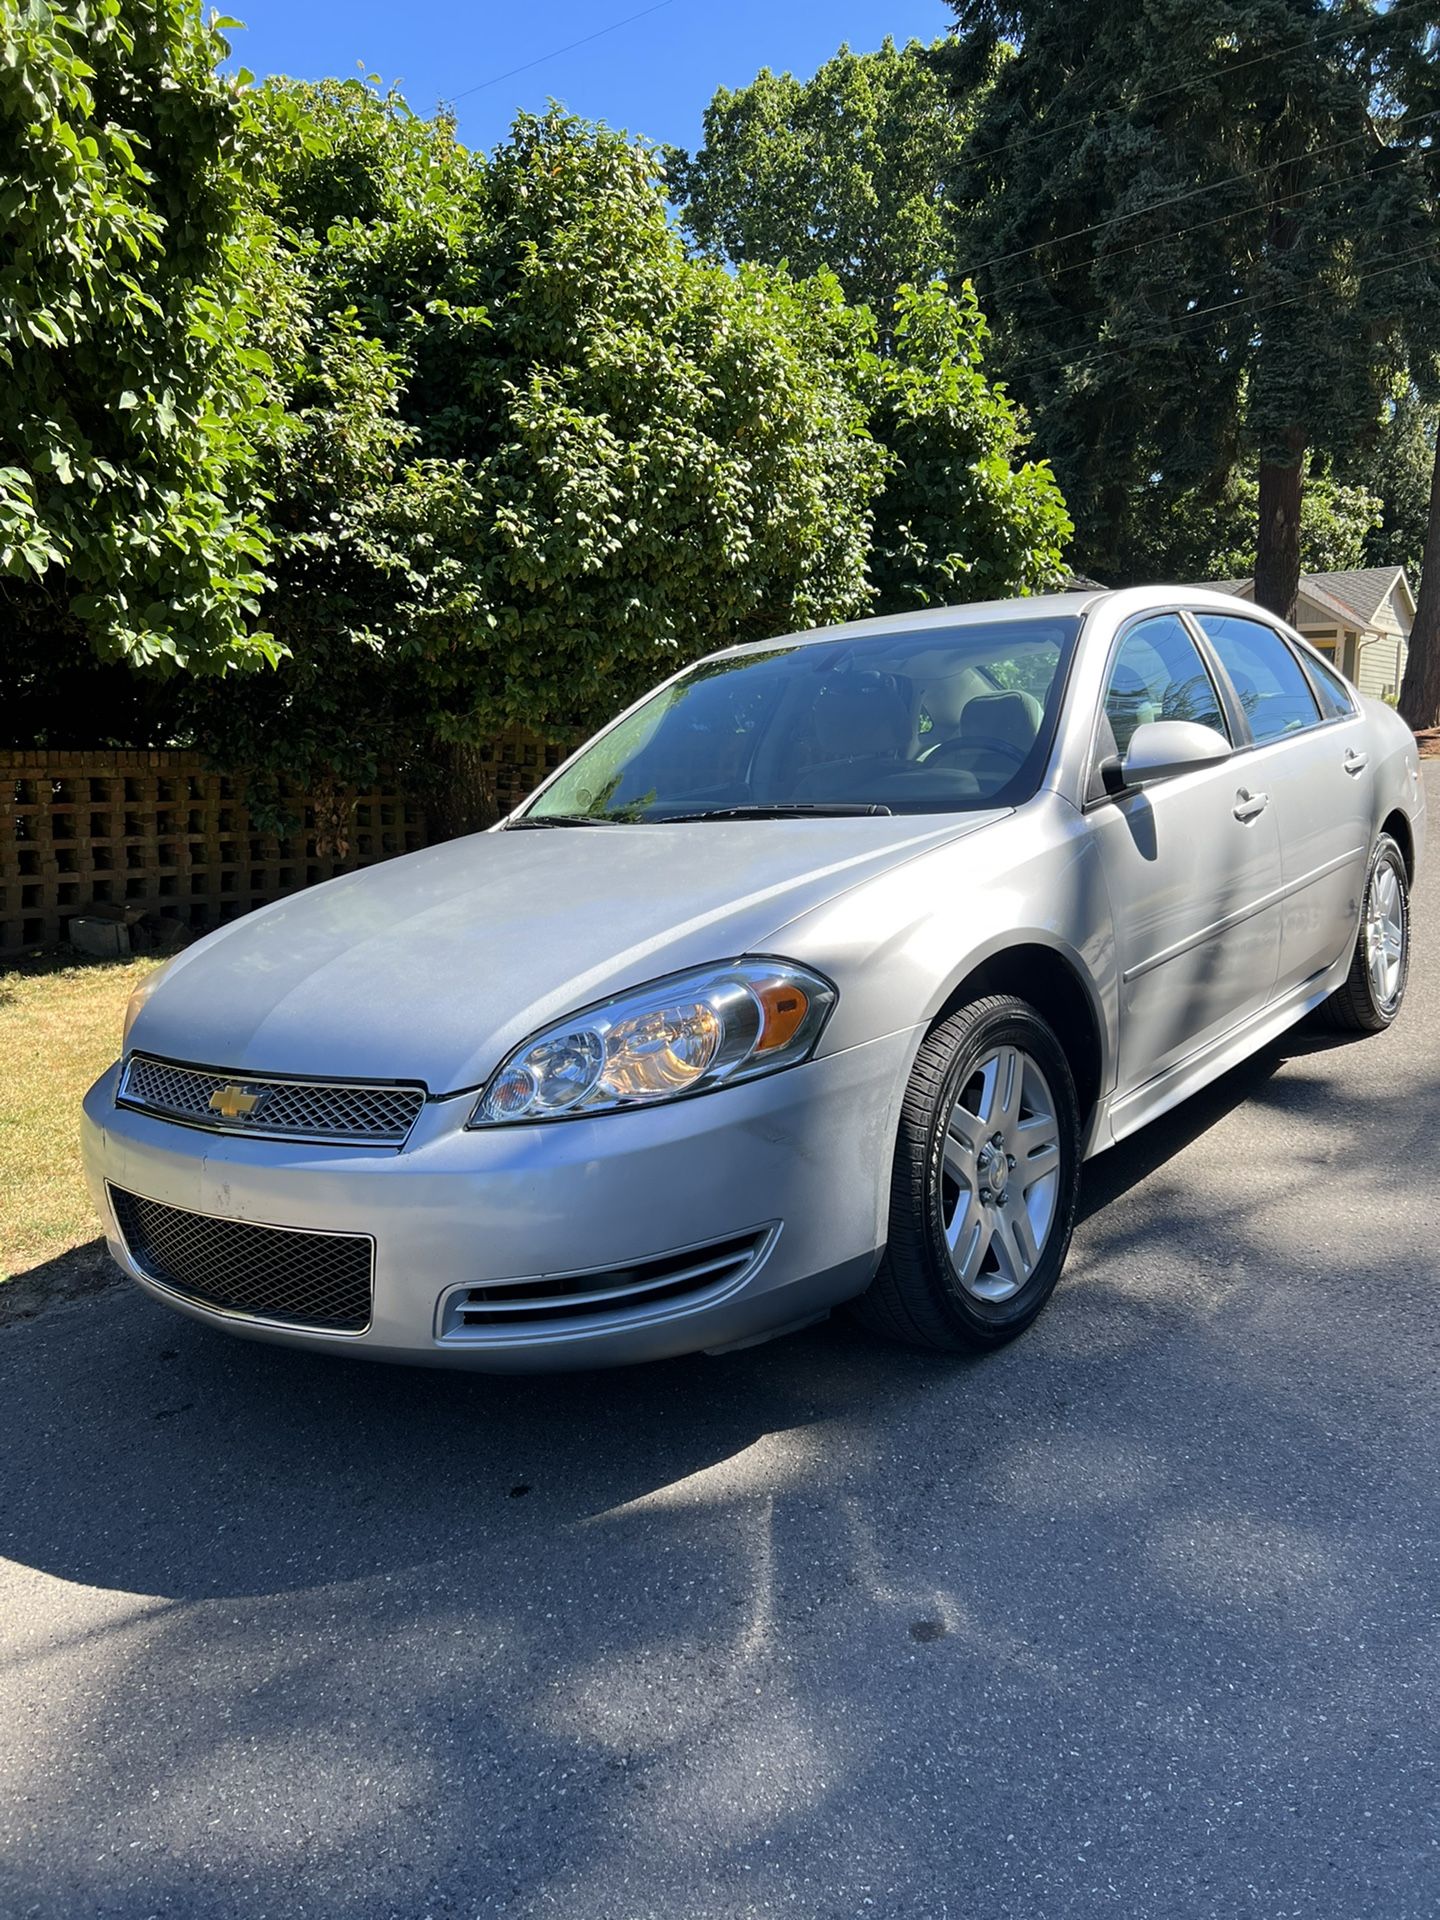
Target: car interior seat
x,y
862,727
997,731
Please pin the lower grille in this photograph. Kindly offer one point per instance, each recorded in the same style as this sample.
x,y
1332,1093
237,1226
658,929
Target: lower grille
x,y
299,1279
530,1306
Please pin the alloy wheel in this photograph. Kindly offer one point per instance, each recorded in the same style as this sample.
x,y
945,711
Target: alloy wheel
x,y
1000,1174
1385,935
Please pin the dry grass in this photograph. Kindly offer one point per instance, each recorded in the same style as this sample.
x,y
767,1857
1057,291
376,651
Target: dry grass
x,y
59,1028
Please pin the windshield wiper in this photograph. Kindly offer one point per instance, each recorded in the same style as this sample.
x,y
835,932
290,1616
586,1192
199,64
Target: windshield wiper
x,y
532,820
778,810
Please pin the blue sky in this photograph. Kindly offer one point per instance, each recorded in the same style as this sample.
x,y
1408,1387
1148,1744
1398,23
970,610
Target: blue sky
x,y
653,75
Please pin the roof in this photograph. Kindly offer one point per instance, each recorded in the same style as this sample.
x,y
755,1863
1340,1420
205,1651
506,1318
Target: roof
x,y
1354,595
1035,606
1364,589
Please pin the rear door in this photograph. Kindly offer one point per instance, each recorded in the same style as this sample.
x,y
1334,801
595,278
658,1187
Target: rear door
x,y
1309,755
1192,864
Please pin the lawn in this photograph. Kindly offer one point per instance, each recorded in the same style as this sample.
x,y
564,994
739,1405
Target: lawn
x,y
59,1027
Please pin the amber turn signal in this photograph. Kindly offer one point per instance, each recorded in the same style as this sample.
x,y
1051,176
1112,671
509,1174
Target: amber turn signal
x,y
783,1006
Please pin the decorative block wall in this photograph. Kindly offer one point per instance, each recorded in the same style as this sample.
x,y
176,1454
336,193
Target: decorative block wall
x,y
161,833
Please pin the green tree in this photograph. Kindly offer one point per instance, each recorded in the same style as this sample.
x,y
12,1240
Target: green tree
x,y
962,516
131,393
1412,75
844,171
1199,225
1209,533
1396,469
533,455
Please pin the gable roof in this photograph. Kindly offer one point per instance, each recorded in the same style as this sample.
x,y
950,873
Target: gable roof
x,y
1354,596
1363,589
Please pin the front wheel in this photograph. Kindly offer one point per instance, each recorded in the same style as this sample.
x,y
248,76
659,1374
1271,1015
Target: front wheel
x,y
987,1170
1375,985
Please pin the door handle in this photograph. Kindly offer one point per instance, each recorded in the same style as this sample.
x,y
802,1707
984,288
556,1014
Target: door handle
x,y
1356,762
1249,805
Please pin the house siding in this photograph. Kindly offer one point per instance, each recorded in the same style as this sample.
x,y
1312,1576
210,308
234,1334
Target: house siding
x,y
1379,666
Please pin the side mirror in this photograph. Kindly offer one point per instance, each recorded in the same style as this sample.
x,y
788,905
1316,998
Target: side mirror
x,y
1161,749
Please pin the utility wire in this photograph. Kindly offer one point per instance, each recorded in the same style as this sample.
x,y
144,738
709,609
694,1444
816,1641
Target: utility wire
x,y
1176,338
555,52
1198,226
1198,79
1191,193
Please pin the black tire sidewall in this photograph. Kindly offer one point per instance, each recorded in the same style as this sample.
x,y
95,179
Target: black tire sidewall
x,y
1013,1025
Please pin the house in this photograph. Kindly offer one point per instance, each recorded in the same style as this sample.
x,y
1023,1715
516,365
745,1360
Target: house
x,y
1361,618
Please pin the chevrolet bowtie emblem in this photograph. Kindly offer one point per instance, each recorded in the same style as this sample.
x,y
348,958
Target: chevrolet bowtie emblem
x,y
231,1102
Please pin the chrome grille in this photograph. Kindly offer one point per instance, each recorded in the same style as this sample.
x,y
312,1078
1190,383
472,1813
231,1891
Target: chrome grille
x,y
284,1274
697,1274
317,1110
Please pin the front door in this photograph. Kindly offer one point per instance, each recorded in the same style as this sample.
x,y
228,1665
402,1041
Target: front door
x,y
1192,866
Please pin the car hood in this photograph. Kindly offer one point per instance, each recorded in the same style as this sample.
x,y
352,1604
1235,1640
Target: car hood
x,y
433,966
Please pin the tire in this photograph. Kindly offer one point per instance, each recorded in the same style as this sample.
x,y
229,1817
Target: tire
x,y
1374,988
993,1284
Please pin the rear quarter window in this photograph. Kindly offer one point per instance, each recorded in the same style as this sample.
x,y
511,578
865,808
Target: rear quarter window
x,y
1337,702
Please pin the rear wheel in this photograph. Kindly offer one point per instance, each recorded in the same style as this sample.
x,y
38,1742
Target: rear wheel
x,y
1375,985
986,1174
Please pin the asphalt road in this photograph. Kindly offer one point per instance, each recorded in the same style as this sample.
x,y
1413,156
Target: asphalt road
x,y
1139,1618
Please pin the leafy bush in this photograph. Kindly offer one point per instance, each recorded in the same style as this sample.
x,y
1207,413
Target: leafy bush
x,y
131,395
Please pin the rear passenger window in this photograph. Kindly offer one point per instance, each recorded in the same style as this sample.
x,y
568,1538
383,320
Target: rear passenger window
x,y
1269,681
1336,702
1157,675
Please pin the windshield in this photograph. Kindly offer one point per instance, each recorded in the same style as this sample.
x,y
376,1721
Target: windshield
x,y
939,720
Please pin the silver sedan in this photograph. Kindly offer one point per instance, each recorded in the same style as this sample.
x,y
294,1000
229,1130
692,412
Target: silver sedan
x,y
812,979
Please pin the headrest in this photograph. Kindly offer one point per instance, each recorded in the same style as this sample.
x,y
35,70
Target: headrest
x,y
946,700
1012,718
860,713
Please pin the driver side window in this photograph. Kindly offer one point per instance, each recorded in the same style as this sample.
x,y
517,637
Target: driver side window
x,y
1157,674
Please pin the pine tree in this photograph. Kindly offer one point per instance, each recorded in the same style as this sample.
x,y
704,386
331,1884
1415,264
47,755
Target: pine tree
x,y
1198,228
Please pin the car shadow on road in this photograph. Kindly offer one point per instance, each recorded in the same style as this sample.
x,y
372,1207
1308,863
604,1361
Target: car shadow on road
x,y
604,1631
167,1450
1116,1171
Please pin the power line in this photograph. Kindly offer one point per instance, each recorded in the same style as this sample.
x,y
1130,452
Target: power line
x,y
1198,226
1191,193
1176,338
1184,86
555,52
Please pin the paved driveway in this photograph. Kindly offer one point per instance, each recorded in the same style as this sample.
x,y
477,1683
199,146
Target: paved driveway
x,y
1140,1618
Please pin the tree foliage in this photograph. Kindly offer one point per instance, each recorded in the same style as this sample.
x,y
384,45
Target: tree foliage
x,y
1199,224
1208,533
533,455
131,395
844,171
452,440
1395,468
962,516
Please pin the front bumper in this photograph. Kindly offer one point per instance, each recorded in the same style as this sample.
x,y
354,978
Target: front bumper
x,y
802,1158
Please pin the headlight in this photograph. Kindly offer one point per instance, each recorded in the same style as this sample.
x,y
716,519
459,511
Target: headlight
x,y
138,997
684,1035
